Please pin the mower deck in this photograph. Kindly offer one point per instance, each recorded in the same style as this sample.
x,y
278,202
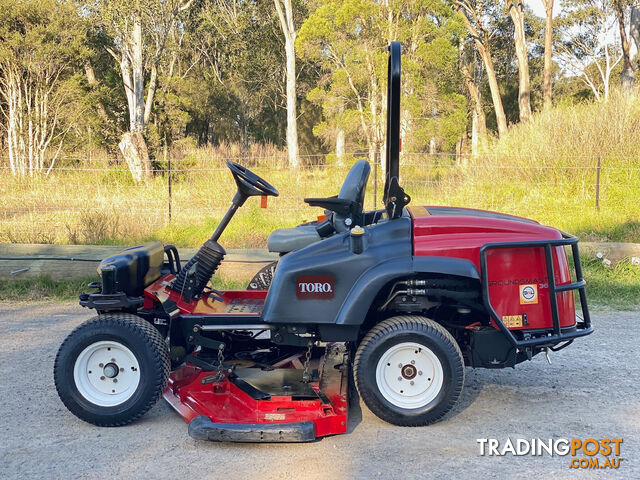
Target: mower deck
x,y
254,405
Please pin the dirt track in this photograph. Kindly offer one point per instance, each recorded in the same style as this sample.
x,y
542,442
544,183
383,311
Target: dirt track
x,y
590,391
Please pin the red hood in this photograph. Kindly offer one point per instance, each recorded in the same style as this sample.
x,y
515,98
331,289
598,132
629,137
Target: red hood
x,y
437,230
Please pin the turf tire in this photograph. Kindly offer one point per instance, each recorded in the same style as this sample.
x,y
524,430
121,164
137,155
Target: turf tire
x,y
151,353
409,329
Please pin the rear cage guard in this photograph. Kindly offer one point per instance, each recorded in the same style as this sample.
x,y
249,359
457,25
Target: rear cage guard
x,y
582,328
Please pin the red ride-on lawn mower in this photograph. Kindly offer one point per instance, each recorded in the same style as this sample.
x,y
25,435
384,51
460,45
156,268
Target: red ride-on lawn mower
x,y
413,295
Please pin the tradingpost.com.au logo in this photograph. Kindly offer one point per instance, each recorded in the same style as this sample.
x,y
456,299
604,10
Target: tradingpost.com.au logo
x,y
588,454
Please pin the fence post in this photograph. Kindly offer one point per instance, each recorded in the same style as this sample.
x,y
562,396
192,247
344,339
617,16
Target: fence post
x,y
598,185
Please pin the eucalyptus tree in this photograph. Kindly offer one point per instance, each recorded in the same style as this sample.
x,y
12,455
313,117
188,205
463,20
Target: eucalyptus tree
x,y
42,43
477,15
140,30
516,12
285,11
348,39
627,9
589,47
548,52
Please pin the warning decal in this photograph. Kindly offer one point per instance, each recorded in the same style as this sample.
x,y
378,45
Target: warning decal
x,y
528,294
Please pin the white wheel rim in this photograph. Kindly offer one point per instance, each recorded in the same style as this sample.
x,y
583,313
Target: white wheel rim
x,y
106,373
409,375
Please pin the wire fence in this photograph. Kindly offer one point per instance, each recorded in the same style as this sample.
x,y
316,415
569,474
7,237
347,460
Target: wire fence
x,y
95,200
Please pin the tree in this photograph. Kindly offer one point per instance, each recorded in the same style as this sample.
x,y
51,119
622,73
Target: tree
x,y
473,12
348,39
478,118
628,70
289,31
41,46
634,29
548,51
589,44
229,74
134,25
516,11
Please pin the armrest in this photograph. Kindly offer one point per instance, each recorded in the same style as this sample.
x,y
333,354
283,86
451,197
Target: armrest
x,y
334,204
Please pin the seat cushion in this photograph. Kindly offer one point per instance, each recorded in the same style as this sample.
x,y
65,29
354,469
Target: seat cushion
x,y
285,240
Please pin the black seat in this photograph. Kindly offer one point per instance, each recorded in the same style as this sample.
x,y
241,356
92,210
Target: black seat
x,y
285,240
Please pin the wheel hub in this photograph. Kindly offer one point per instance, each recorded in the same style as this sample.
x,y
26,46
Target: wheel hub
x,y
111,370
106,373
409,372
409,375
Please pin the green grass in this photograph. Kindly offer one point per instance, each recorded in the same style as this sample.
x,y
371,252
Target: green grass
x,y
616,287
42,289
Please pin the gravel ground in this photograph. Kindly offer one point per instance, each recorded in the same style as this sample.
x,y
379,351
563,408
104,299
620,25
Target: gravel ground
x,y
590,391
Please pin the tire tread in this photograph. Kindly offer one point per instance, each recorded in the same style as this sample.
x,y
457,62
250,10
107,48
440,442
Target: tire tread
x,y
395,325
137,326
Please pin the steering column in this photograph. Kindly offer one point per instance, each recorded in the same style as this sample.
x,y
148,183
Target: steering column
x,y
193,278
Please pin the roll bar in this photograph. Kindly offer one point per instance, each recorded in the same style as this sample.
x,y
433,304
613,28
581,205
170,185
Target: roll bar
x,y
394,197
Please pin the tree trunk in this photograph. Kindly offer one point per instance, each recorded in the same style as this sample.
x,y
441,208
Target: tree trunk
x,y
501,118
137,65
93,82
524,90
125,72
151,91
474,133
288,29
634,32
132,144
481,39
340,150
548,52
627,73
292,118
134,151
479,120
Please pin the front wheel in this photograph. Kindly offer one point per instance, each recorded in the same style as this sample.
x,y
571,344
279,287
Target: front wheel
x,y
409,371
112,369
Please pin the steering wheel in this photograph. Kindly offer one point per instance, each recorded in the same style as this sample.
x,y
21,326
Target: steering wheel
x,y
250,184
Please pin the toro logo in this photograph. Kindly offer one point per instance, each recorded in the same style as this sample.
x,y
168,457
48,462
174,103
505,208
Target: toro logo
x,y
314,287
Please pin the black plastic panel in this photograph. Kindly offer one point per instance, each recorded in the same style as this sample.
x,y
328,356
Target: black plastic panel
x,y
135,268
388,241
202,428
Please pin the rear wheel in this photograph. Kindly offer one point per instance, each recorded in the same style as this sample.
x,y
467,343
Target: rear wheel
x,y
409,370
112,369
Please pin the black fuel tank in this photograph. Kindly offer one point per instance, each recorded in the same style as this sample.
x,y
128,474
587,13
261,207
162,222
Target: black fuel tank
x,y
131,270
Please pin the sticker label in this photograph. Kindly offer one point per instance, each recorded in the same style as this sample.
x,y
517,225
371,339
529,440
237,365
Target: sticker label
x,y
274,416
528,294
314,287
512,321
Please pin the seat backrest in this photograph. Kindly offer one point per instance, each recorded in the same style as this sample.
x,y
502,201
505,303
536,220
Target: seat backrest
x,y
353,188
355,183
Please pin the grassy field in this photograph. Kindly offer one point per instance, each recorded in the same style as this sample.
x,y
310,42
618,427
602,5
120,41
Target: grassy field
x,y
97,204
545,169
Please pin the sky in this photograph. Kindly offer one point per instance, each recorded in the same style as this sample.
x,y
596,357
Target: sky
x,y
538,7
